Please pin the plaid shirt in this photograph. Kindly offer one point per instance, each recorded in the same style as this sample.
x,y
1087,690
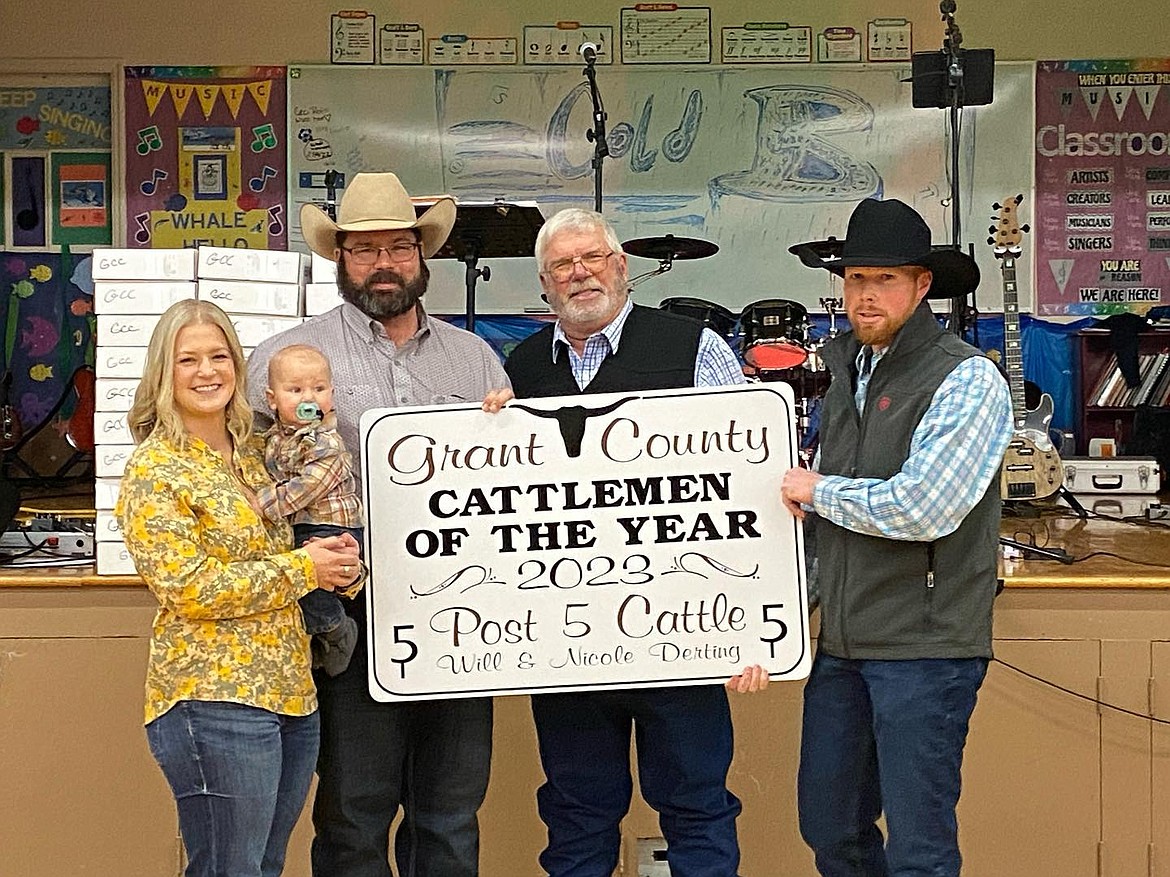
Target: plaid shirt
x,y
313,474
715,364
955,451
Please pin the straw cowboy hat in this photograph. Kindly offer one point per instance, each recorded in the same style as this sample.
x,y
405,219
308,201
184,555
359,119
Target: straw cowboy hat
x,y
887,234
377,202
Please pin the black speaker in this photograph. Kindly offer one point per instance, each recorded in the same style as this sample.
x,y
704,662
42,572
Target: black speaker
x,y
930,78
9,503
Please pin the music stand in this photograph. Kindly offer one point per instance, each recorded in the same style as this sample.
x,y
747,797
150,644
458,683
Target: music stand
x,y
488,230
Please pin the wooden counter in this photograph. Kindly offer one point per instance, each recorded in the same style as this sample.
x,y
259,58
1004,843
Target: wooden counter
x,y
1053,528
1053,784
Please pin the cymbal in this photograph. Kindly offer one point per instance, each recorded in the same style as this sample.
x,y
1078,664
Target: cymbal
x,y
669,248
816,254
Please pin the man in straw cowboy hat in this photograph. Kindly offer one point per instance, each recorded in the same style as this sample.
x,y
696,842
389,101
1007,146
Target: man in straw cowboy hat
x,y
906,498
430,757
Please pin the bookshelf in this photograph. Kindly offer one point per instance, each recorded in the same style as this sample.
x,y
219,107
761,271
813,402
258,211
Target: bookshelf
x,y
1105,406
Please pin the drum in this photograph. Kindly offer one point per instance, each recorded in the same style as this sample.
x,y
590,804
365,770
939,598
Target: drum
x,y
718,318
774,334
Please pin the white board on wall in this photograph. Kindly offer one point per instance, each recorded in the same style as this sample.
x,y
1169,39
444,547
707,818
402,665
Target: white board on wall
x,y
753,160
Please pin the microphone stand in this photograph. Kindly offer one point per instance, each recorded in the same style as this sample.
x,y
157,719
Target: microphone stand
x,y
952,48
596,134
331,193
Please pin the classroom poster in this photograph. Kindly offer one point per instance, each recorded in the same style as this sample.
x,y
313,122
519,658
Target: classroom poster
x,y
54,117
205,157
1102,221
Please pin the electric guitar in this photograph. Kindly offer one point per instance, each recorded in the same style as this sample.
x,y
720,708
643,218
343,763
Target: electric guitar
x,y
1031,466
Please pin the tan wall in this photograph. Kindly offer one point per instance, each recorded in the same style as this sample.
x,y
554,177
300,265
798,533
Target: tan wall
x,y
1050,783
280,31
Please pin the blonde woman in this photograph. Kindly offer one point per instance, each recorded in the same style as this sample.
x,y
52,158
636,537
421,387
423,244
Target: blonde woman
x,y
231,711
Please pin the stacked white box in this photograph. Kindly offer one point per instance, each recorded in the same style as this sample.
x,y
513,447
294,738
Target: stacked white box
x,y
253,297
322,270
321,297
262,291
264,266
114,264
132,289
254,329
321,293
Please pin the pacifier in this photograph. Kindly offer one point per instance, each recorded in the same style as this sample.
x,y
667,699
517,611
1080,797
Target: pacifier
x,y
307,412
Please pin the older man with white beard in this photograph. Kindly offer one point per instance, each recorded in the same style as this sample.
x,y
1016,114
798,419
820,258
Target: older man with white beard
x,y
603,343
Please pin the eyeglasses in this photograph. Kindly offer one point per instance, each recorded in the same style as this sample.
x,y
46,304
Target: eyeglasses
x,y
400,252
593,262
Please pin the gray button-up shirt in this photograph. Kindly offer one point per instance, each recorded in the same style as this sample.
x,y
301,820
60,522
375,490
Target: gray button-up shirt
x,y
440,364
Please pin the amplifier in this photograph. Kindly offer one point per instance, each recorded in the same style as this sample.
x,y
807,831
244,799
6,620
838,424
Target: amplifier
x,y
1112,475
57,543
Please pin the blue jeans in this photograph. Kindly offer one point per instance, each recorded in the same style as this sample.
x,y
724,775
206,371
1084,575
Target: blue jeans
x,y
322,611
684,745
885,736
429,757
239,775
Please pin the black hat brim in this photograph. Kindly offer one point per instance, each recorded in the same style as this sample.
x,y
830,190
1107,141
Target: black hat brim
x,y
956,274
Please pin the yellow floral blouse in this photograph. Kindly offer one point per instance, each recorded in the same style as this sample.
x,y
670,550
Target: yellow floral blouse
x,y
228,627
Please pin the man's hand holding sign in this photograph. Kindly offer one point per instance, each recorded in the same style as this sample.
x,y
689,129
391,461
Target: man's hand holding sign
x,y
584,543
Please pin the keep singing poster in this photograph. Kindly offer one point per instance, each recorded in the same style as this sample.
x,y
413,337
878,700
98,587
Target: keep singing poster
x,y
205,157
1102,186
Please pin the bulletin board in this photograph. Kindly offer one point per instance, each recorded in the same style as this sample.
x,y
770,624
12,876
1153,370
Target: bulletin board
x,y
752,159
205,157
1103,185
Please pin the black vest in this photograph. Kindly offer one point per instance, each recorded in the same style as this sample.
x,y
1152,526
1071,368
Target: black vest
x,y
657,351
886,598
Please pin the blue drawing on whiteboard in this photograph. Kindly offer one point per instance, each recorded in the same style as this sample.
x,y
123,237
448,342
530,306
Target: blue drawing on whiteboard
x,y
793,160
625,138
492,157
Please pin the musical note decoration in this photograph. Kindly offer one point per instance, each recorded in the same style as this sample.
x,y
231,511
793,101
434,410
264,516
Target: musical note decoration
x,y
149,187
265,137
142,220
149,140
257,184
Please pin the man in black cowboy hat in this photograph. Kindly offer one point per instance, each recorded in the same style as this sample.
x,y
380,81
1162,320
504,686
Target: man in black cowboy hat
x,y
429,757
905,498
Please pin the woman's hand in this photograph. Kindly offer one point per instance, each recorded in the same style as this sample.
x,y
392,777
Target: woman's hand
x,y
753,678
343,542
334,569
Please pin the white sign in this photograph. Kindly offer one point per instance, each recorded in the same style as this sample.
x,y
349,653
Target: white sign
x,y
582,543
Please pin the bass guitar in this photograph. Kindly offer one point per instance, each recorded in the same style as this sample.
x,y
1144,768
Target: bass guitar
x,y
1031,467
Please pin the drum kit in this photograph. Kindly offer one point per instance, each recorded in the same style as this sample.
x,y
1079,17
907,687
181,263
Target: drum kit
x,y
776,338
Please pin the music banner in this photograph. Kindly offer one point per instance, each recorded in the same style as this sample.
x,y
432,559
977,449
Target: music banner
x,y
206,160
1102,186
582,543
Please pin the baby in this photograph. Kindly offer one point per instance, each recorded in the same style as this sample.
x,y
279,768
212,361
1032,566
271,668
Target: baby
x,y
315,485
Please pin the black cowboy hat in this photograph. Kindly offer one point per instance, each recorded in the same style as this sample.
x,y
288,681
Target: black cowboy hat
x,y
887,234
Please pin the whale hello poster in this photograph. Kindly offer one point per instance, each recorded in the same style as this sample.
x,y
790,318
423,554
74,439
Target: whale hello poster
x,y
582,543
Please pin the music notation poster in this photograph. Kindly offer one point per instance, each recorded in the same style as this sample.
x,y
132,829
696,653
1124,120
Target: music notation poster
x,y
1102,146
666,33
206,158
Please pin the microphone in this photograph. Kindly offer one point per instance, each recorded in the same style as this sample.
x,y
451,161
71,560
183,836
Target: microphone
x,y
588,51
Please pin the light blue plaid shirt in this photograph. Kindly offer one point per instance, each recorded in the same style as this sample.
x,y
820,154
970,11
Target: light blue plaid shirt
x,y
715,364
955,451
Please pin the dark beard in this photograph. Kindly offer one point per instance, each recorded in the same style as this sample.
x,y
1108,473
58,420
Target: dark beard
x,y
383,305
